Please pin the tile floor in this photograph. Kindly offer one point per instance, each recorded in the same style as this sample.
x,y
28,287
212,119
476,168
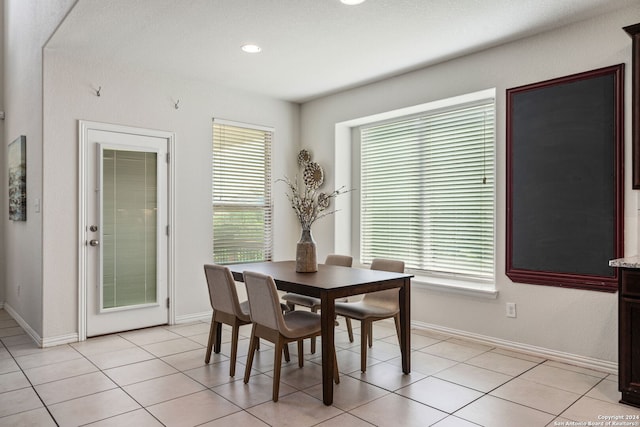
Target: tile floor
x,y
157,376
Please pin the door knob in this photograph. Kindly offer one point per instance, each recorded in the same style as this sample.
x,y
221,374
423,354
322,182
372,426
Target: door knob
x,y
94,242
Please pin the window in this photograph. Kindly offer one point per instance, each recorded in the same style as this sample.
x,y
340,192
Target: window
x,y
427,191
241,193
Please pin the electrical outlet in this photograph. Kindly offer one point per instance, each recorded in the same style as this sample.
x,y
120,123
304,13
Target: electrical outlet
x,y
511,309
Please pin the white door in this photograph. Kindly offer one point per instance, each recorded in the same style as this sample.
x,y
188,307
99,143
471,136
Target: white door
x,y
124,229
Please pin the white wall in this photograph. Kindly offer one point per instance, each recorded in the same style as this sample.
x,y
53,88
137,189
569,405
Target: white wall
x,y
3,162
145,99
575,322
27,26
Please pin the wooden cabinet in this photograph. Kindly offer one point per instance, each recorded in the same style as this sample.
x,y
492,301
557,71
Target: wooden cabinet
x,y
629,336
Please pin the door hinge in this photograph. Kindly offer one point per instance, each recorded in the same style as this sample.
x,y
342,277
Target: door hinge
x,y
167,302
167,230
168,157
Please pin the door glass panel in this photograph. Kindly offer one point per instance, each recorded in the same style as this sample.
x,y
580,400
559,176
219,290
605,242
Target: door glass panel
x,y
129,228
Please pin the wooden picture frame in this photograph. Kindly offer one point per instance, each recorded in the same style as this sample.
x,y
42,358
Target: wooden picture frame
x,y
565,180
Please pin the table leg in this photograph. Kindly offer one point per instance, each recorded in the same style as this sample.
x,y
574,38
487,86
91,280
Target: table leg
x,y
327,314
405,325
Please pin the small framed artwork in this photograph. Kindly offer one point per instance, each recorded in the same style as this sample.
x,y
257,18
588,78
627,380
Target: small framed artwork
x,y
17,166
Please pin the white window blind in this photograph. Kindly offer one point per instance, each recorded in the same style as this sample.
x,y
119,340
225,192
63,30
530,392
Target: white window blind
x,y
427,189
242,203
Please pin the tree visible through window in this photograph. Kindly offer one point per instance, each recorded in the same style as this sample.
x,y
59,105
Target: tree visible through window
x,y
242,203
427,189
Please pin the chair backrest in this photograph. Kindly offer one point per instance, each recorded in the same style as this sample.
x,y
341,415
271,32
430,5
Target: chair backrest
x,y
388,298
222,289
342,260
264,301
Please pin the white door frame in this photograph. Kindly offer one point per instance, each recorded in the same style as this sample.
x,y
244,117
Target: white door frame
x,y
83,133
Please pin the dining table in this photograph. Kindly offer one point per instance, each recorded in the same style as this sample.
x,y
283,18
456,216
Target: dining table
x,y
328,283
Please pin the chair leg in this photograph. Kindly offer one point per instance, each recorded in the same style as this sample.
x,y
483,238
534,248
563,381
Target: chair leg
x,y
277,366
370,333
396,320
349,328
212,337
336,374
313,339
287,356
217,343
252,350
364,327
301,352
235,329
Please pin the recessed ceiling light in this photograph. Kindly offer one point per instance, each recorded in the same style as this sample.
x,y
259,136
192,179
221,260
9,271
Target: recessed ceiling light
x,y
352,2
251,48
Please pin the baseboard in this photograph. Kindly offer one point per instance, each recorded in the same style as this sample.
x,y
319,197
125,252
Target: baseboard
x,y
59,340
559,356
23,324
195,317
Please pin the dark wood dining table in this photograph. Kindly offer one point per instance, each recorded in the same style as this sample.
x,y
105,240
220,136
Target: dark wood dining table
x,y
331,282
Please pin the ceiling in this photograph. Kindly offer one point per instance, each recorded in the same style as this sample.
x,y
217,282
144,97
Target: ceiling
x,y
310,48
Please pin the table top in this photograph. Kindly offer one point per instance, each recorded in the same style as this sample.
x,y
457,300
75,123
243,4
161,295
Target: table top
x,y
344,280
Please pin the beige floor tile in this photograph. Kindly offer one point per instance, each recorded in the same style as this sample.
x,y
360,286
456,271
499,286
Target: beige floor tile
x,y
193,409
295,410
473,377
574,368
11,332
387,376
382,350
538,396
605,390
137,418
149,336
8,323
59,371
453,421
36,417
425,364
588,409
193,359
393,410
500,363
236,420
574,382
345,420
16,401
166,348
141,371
215,374
491,411
13,381
162,389
258,390
106,344
440,394
4,353
8,365
350,393
58,354
523,356
92,408
191,329
300,378
72,388
454,351
125,356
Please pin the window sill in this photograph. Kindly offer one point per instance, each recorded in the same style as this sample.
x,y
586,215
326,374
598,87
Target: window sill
x,y
453,287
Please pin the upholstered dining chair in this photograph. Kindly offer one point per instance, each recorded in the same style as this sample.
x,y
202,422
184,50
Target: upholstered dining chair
x,y
227,309
271,324
374,306
313,303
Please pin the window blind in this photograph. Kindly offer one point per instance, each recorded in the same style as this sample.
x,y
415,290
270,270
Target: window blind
x,y
242,205
427,191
